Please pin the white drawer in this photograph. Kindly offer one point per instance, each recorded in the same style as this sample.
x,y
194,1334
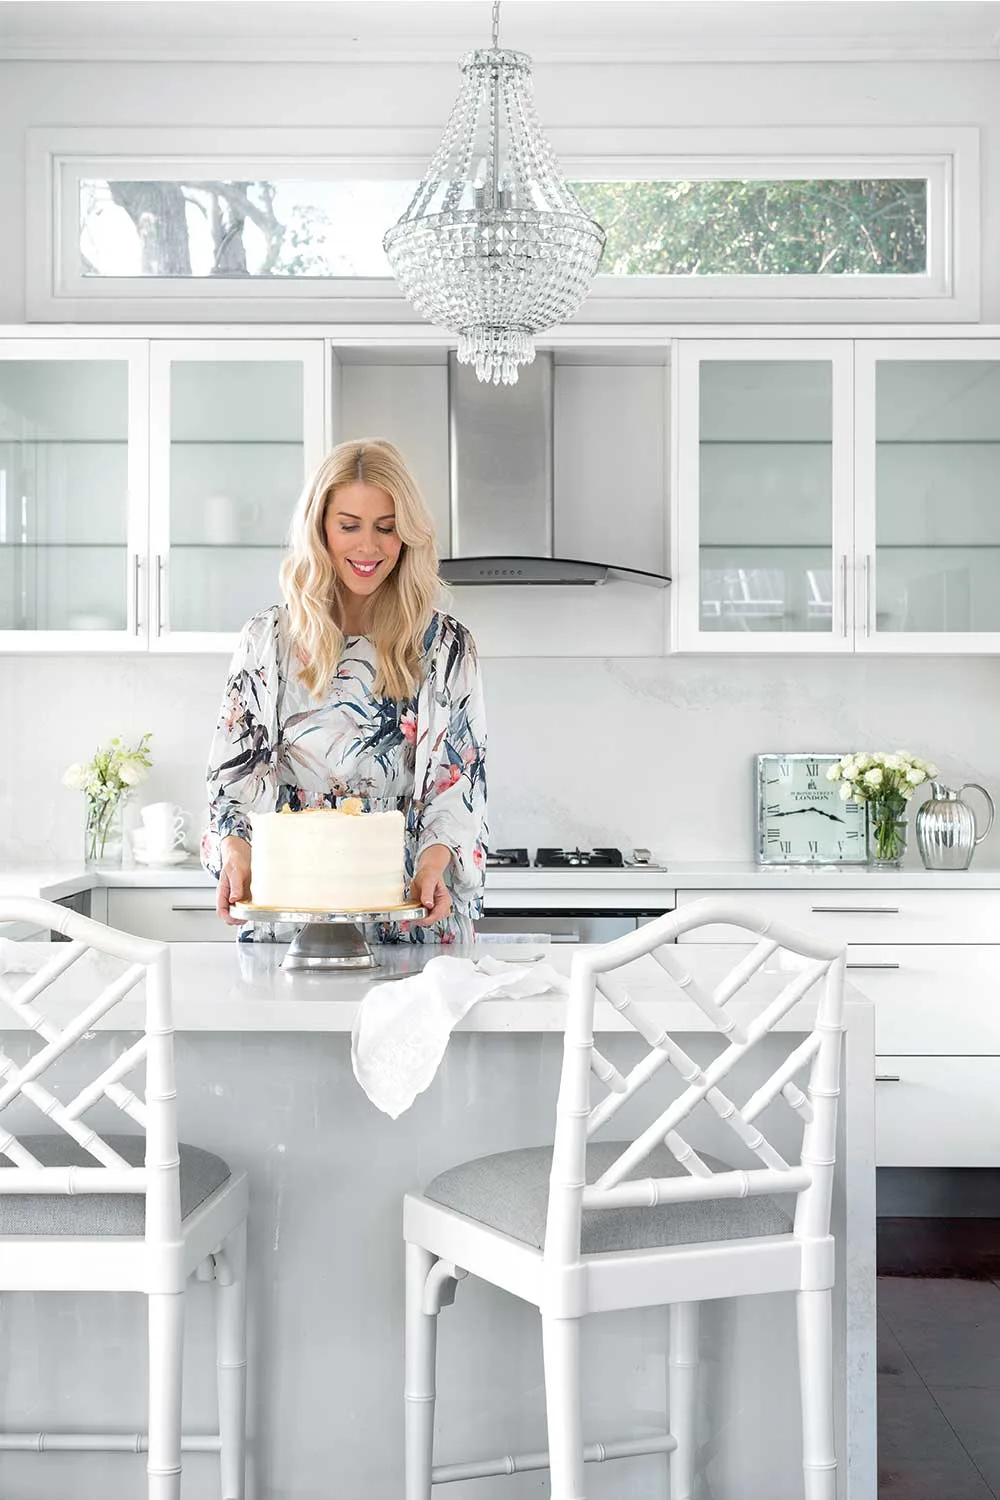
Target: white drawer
x,y
931,1000
937,1111
866,916
177,914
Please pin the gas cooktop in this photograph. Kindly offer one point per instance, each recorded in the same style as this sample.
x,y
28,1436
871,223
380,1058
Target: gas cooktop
x,y
602,858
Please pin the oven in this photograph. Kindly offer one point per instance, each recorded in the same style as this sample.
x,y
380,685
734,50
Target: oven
x,y
563,924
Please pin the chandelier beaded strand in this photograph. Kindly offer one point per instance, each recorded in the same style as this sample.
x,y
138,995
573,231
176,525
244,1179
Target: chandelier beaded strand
x,y
493,245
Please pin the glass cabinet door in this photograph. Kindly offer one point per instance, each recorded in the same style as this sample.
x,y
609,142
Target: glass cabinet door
x,y
72,492
236,428
763,504
928,494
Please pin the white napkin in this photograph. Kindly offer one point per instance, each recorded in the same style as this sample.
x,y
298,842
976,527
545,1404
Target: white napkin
x,y
402,1027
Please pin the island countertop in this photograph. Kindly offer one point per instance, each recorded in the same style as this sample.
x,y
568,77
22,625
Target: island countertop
x,y
241,987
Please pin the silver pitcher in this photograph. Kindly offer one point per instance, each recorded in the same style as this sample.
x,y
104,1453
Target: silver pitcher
x,y
946,827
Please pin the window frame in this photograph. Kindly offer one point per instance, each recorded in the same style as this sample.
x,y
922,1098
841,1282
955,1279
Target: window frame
x,y
947,156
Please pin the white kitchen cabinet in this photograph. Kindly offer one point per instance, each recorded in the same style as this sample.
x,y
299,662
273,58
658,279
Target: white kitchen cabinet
x,y
937,1112
236,426
866,915
169,914
836,495
73,518
930,963
927,454
762,522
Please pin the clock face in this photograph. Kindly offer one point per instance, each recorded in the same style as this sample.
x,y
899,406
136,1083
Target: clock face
x,y
801,819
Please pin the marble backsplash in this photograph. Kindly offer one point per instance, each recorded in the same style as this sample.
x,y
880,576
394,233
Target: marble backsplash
x,y
651,751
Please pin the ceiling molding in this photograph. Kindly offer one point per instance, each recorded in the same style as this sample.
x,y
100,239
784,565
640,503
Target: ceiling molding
x,y
588,32
324,50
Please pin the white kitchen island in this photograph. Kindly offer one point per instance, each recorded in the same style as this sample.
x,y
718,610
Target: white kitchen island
x,y
265,1078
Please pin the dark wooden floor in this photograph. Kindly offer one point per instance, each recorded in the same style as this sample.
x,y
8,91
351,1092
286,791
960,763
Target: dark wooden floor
x,y
939,1360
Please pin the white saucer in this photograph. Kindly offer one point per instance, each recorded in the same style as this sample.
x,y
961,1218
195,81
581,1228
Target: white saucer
x,y
168,857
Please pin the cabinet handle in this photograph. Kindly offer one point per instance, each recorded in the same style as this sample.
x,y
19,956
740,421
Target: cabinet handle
x,y
158,609
193,908
843,593
868,593
887,911
136,571
873,966
887,1078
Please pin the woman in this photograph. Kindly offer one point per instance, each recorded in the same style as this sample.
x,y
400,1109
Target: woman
x,y
358,687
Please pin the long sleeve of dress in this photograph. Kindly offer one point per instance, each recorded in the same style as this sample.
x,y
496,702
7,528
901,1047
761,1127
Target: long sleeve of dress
x,y
450,781
242,773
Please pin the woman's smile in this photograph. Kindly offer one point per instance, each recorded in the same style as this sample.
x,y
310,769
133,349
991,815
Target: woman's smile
x,y
364,569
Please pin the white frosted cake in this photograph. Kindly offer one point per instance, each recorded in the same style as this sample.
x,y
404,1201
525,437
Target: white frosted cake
x,y
327,860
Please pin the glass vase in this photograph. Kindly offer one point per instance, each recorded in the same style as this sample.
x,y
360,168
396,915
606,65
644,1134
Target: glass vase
x,y
103,836
886,835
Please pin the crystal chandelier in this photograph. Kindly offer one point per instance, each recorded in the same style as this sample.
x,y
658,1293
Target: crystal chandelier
x,y
493,244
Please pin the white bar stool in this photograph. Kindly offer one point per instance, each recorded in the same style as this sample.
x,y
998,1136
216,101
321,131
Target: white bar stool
x,y
573,1230
82,1211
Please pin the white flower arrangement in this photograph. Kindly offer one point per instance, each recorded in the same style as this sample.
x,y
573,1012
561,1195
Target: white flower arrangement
x,y
878,777
106,780
886,782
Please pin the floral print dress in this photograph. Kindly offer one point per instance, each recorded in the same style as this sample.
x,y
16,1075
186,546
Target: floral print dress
x,y
276,746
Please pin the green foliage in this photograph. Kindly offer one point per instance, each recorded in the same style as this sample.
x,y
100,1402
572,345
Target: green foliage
x,y
752,228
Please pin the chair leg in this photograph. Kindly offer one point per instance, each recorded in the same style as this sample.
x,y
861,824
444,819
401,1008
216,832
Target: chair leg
x,y
231,1361
683,1396
561,1355
420,1357
166,1349
814,1318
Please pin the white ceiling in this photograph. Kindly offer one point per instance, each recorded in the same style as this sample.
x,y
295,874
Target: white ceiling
x,y
556,30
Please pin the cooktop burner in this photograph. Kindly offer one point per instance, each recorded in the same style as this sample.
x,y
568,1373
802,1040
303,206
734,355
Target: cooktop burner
x,y
588,859
571,859
503,859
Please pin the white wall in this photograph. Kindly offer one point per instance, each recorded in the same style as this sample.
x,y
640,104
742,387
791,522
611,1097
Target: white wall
x,y
616,750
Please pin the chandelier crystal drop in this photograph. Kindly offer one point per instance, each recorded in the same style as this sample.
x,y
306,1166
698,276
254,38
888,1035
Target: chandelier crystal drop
x,y
493,245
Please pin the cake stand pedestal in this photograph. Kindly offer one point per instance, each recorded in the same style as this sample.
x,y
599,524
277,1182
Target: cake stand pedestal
x,y
328,940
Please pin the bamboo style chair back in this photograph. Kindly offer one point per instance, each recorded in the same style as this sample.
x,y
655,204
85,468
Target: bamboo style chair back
x,y
154,1113
818,1055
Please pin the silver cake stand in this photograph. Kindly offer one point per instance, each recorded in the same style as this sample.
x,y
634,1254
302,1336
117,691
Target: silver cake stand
x,y
326,940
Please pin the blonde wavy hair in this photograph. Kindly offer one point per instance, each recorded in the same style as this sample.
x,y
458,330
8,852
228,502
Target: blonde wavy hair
x,y
400,610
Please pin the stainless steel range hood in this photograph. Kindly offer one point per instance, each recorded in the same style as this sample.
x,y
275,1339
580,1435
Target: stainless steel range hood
x,y
502,510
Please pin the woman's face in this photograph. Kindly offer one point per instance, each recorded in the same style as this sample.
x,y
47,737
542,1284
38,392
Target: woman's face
x,y
360,527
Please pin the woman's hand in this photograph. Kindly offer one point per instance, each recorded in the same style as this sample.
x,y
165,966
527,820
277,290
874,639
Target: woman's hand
x,y
234,882
427,888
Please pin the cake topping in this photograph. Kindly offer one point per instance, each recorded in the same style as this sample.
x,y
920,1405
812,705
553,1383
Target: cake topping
x,y
352,806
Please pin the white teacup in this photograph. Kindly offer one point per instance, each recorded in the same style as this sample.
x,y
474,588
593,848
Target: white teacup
x,y
163,823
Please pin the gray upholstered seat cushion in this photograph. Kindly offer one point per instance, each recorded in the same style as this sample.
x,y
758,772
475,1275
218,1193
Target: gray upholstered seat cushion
x,y
510,1192
100,1213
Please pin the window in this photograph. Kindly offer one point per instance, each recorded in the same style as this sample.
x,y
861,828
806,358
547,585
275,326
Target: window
x,y
702,225
746,227
237,228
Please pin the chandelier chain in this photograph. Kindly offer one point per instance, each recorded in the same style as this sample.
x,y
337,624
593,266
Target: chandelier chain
x,y
496,24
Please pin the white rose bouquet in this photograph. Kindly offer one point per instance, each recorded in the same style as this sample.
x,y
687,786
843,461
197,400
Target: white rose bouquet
x,y
886,782
106,780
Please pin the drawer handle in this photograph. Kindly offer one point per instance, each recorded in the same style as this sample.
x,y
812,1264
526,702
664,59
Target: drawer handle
x,y
888,911
873,966
193,908
564,937
887,1078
